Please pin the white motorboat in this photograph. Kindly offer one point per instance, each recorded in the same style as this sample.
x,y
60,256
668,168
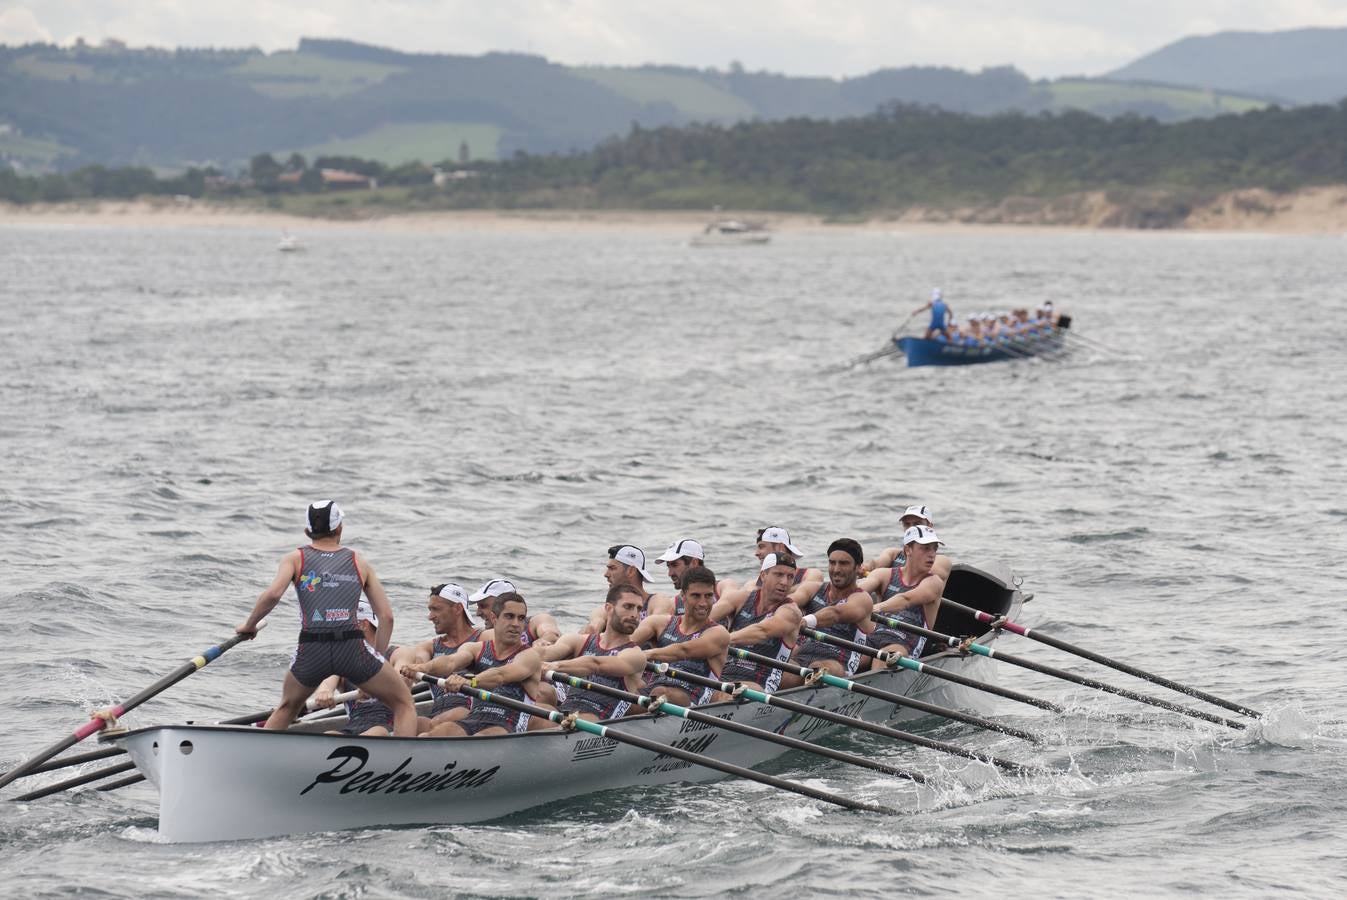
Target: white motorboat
x,y
731,233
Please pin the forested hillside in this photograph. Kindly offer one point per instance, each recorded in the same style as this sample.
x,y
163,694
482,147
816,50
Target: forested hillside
x,y
65,107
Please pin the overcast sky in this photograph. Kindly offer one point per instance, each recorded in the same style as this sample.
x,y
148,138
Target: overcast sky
x,y
1044,38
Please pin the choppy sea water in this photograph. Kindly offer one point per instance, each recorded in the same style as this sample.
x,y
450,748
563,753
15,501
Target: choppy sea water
x,y
512,403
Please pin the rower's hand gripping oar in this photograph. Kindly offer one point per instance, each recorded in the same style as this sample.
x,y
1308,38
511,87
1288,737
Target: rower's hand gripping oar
x,y
742,691
1000,622
103,718
887,696
660,705
575,723
897,660
971,646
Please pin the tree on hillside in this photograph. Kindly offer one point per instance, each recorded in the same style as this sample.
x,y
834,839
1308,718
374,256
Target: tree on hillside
x,y
264,171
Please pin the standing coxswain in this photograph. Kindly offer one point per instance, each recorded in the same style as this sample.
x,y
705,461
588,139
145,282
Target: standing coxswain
x,y
688,640
329,580
940,315
609,657
910,593
500,663
841,608
763,620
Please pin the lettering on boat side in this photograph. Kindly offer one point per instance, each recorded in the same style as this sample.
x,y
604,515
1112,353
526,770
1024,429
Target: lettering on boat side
x,y
593,748
852,709
350,773
693,744
690,725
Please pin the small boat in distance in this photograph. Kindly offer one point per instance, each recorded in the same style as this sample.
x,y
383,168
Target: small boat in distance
x,y
1048,338
731,233
289,243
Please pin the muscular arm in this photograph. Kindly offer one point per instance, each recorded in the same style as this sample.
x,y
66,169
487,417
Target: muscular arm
x,y
267,600
598,620
729,603
545,629
942,566
710,644
853,611
659,605
413,653
808,587
443,666
650,628
378,601
525,665
780,624
564,647
930,589
628,662
883,561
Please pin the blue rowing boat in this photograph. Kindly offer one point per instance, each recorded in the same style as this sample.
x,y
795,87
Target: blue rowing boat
x,y
922,352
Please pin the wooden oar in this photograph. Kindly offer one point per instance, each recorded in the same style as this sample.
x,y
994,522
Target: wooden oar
x,y
904,662
660,705
969,646
827,715
886,696
575,723
1023,631
97,724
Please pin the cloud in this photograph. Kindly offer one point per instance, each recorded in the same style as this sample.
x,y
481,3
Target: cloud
x,y
799,37
18,25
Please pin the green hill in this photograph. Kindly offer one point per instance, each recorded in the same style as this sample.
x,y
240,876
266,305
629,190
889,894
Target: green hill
x,y
65,107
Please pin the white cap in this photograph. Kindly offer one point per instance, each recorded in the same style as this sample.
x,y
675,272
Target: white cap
x,y
322,517
680,549
365,613
920,512
634,557
455,593
776,535
493,588
920,534
935,294
768,561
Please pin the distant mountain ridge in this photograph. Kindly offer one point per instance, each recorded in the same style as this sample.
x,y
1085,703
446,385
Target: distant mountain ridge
x,y
1307,65
62,107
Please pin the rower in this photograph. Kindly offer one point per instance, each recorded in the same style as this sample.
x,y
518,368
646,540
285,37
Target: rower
x,y
449,612
329,580
893,556
626,565
764,621
610,658
365,716
911,593
499,663
940,316
775,539
540,630
842,608
689,640
680,557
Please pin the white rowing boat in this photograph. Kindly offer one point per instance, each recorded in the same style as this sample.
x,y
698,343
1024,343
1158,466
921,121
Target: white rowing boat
x,y
232,782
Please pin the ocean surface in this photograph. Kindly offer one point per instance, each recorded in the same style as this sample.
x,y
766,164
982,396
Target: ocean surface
x,y
512,402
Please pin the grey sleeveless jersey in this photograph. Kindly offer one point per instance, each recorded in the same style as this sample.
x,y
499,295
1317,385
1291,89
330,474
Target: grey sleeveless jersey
x,y
328,588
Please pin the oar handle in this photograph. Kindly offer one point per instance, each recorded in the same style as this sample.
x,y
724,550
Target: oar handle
x,y
1015,628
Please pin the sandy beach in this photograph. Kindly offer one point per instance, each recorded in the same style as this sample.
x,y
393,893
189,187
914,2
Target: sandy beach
x,y
1309,211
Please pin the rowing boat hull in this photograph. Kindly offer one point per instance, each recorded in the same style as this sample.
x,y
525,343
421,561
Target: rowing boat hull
x,y
921,352
229,782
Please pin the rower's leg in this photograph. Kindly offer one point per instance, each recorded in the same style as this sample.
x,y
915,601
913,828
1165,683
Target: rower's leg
x,y
445,729
293,695
547,694
666,692
388,687
896,649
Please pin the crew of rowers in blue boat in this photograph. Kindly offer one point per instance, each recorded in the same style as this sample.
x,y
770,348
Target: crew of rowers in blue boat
x,y
986,329
491,640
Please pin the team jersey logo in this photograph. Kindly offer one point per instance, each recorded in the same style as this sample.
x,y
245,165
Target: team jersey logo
x,y
310,582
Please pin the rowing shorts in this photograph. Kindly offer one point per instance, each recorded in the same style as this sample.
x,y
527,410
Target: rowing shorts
x,y
883,637
369,714
354,659
484,715
739,670
813,651
697,695
595,704
445,702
